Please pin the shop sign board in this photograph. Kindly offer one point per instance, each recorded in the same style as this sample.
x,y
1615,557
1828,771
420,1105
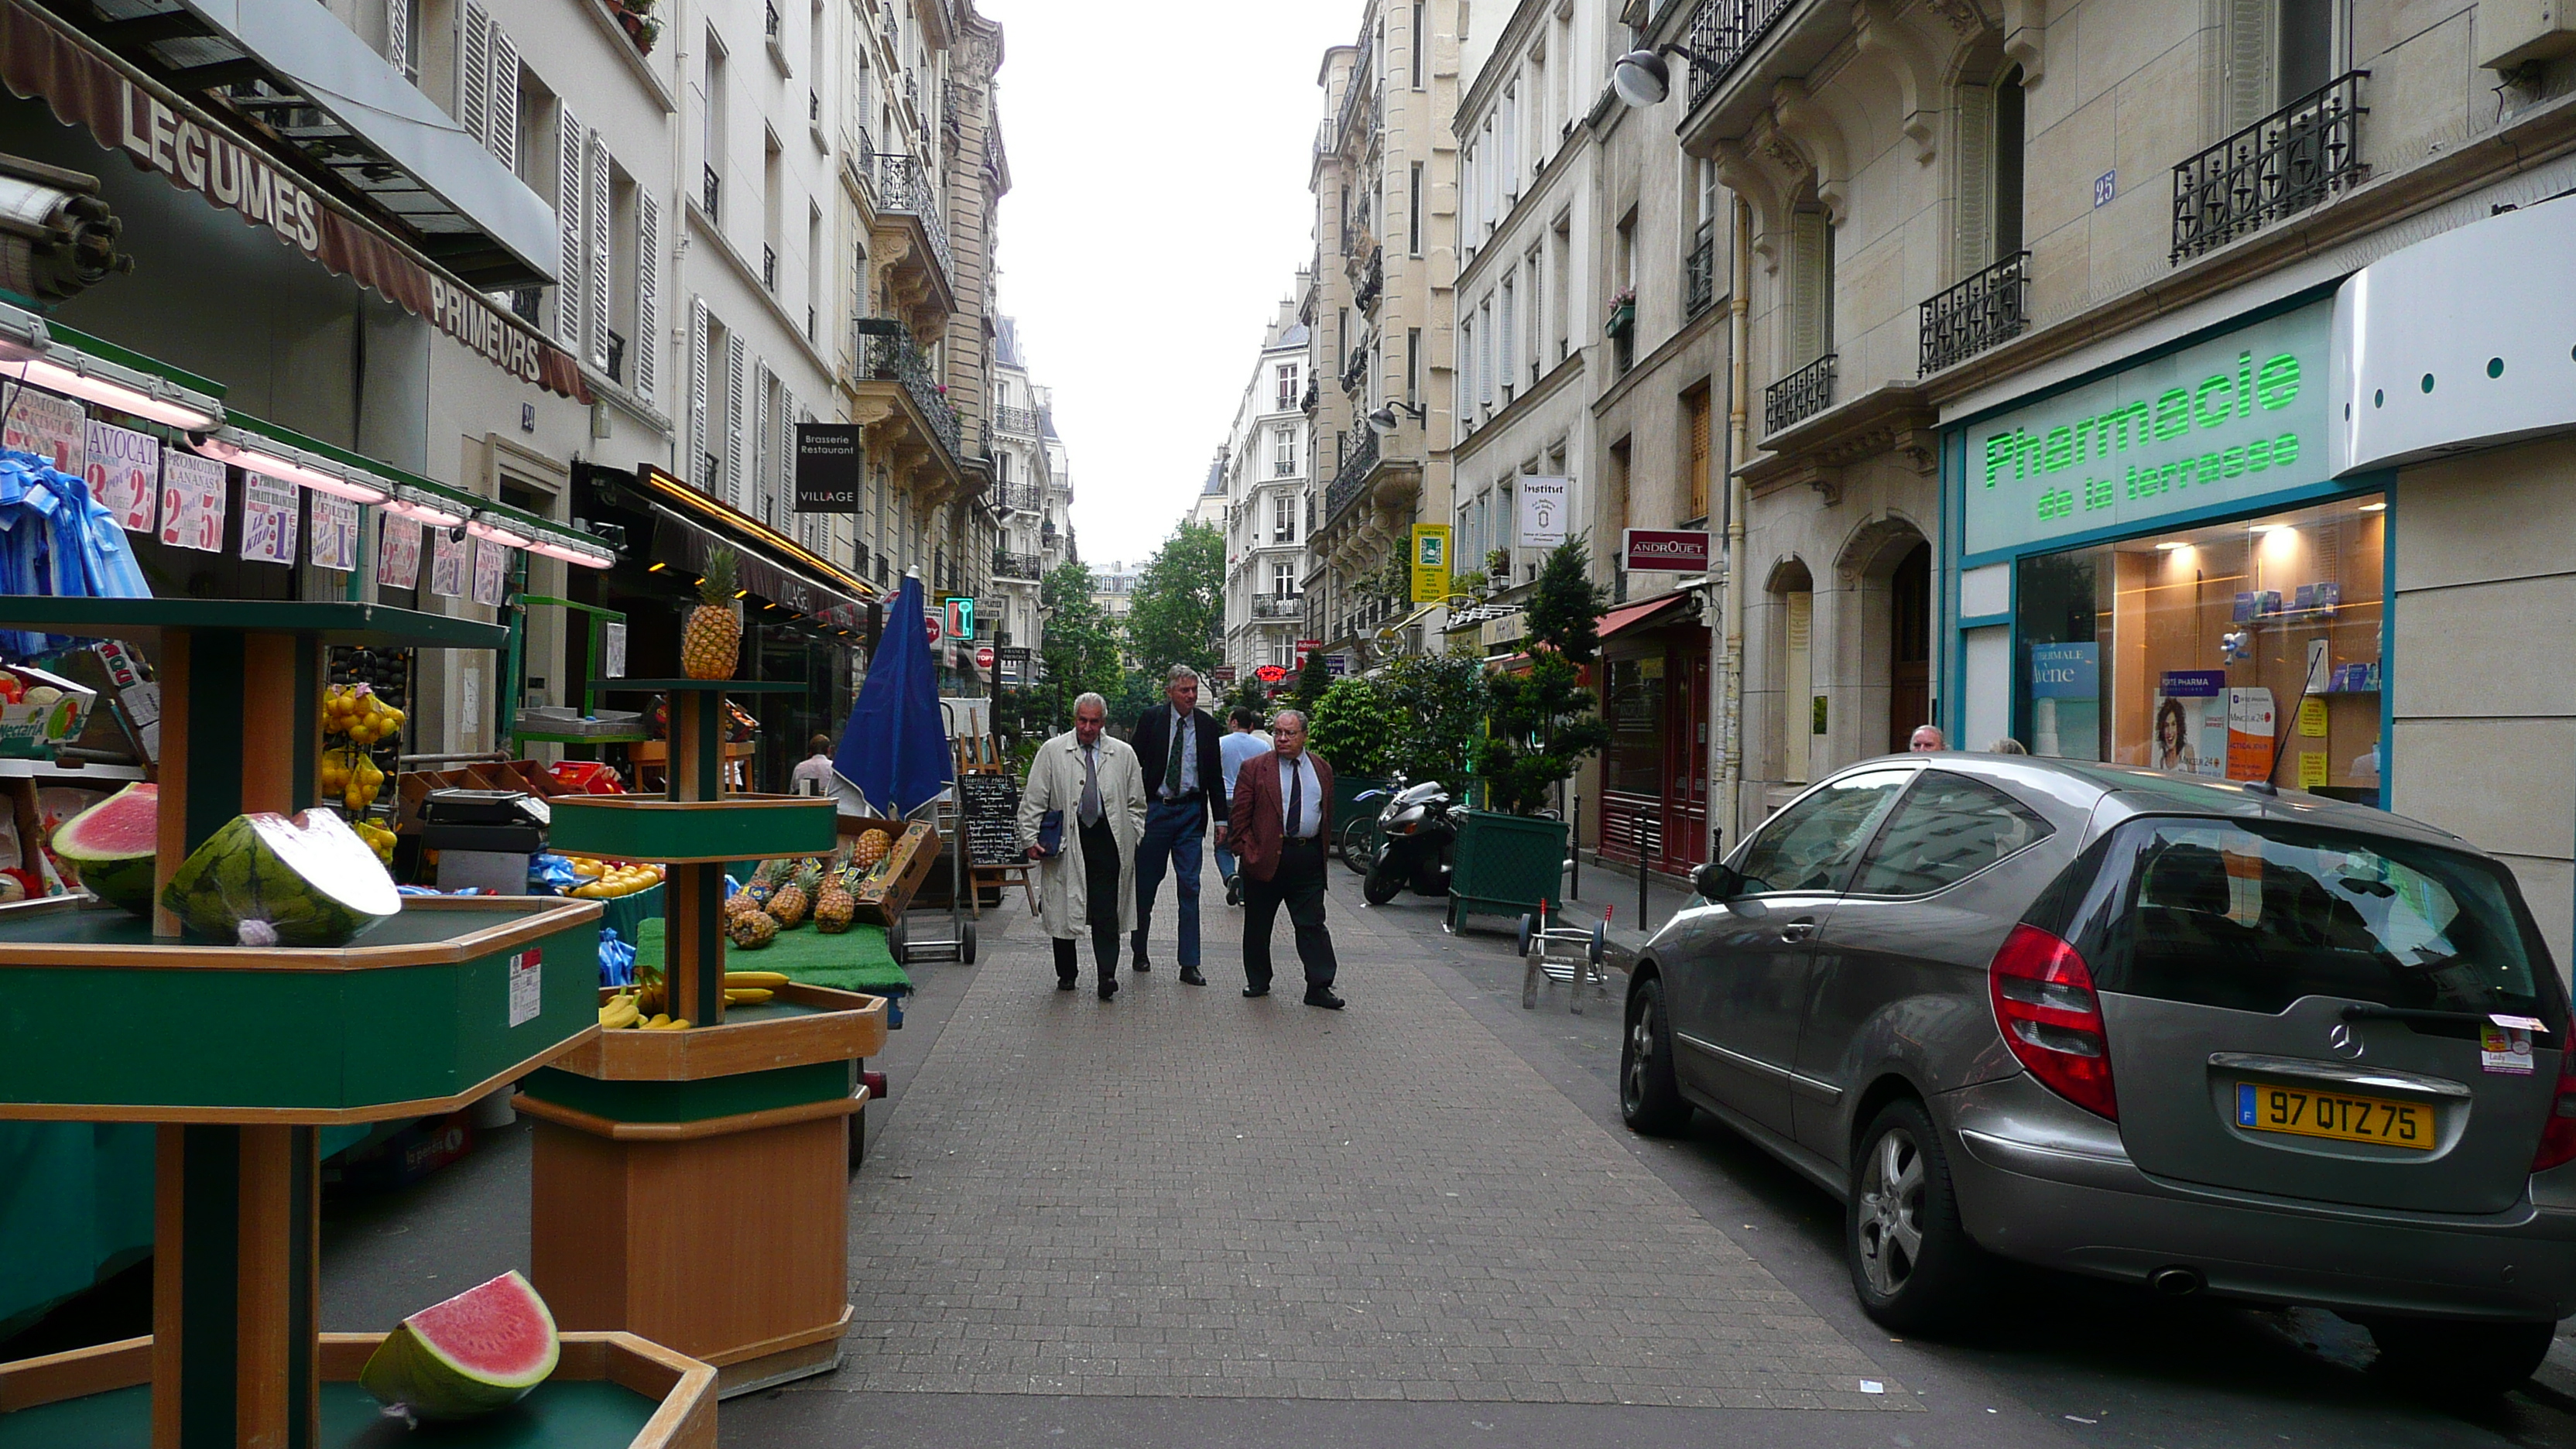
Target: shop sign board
x,y
1665,550
1430,563
1224,674
1306,647
1336,665
1012,664
827,468
1541,510
397,550
192,502
2224,421
984,657
960,622
934,626
124,475
1271,673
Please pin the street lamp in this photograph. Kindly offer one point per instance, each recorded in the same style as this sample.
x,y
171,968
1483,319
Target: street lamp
x,y
1382,422
1642,79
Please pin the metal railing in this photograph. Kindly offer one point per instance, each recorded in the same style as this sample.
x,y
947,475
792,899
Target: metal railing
x,y
1699,277
1023,566
769,267
902,184
711,195
1800,395
1359,456
1276,606
1017,422
1355,369
886,354
1985,309
2284,163
813,107
770,24
1722,31
1021,497
1372,280
616,355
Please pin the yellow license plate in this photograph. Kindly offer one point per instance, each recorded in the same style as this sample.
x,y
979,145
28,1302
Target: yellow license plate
x,y
2267,1107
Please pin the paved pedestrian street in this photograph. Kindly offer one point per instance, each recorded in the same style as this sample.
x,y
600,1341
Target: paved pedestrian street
x,y
1184,1192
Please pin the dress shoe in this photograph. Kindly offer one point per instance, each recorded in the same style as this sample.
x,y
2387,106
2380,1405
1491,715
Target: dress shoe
x,y
1190,977
1140,965
1256,991
1108,989
1067,983
1234,890
1323,996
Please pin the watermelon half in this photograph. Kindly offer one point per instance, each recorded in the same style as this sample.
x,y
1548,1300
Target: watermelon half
x,y
481,1350
110,846
268,880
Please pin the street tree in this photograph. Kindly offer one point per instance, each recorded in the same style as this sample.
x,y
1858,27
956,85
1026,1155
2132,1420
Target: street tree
x,y
1177,615
1081,645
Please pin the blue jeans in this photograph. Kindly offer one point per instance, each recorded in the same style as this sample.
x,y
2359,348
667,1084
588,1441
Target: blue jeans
x,y
1173,830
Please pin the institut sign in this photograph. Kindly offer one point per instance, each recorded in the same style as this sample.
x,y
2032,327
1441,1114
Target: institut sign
x,y
2235,417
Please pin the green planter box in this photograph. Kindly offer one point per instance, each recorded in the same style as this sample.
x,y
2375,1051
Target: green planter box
x,y
728,828
1506,865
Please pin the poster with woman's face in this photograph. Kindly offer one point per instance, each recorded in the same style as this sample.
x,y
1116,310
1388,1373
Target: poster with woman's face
x,y
2188,733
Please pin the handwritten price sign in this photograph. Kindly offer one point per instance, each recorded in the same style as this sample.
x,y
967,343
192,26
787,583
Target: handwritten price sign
x,y
268,520
335,533
491,569
124,475
192,502
397,552
446,564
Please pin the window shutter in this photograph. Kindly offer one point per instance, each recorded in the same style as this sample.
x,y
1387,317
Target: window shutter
x,y
398,35
737,379
474,85
646,345
1976,161
595,229
1808,239
698,439
2249,62
1697,405
1797,688
1506,344
572,260
786,449
502,140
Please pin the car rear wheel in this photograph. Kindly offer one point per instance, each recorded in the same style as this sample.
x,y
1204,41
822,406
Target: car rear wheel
x,y
1912,1263
2459,1362
1648,1100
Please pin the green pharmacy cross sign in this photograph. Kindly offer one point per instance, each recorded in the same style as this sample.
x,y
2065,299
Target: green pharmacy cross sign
x,y
2230,419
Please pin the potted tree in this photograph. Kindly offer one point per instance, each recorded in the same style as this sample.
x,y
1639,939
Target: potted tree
x,y
1540,722
1353,724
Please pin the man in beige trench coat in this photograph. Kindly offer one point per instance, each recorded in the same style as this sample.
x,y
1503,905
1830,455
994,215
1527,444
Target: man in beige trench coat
x,y
1086,875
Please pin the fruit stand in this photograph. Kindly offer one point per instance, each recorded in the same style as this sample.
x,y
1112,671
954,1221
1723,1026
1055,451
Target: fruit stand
x,y
691,1184
240,1054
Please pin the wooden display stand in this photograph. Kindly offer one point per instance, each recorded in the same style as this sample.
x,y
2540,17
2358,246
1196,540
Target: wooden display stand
x,y
241,1054
692,1186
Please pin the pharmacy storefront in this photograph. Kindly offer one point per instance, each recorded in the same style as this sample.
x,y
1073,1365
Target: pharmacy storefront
x,y
2155,567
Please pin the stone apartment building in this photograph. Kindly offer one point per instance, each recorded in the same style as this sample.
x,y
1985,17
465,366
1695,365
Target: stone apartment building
x,y
2160,384
1264,485
1029,499
1382,319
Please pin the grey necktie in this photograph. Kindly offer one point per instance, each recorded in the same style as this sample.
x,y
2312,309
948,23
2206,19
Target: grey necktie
x,y
1089,812
1296,793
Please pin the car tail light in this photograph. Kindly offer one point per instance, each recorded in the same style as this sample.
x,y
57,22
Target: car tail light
x,y
2558,1137
2051,1019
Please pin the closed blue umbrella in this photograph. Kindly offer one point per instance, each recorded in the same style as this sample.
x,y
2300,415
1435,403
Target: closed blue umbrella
x,y
895,747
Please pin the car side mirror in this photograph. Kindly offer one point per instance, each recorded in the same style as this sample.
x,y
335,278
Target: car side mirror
x,y
1717,881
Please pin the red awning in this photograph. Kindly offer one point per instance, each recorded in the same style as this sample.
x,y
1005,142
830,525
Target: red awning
x,y
1638,616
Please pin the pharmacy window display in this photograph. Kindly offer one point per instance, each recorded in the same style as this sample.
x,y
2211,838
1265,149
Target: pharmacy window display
x,y
2242,650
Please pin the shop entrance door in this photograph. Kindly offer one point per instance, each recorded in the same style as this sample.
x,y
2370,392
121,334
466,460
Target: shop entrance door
x,y
1909,647
1685,842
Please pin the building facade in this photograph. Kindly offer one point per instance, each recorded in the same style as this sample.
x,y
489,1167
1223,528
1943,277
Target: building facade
x,y
1028,498
1264,483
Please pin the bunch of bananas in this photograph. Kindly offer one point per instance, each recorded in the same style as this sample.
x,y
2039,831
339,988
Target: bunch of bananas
x,y
625,1010
603,881
628,1008
358,712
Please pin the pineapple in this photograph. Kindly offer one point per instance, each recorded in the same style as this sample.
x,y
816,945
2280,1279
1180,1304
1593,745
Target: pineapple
x,y
712,644
872,848
751,930
765,881
835,907
796,898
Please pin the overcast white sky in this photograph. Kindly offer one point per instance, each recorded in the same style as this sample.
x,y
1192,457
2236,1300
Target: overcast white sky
x,y
1158,212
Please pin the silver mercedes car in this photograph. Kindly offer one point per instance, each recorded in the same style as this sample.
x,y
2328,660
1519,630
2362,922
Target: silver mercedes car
x,y
2199,1035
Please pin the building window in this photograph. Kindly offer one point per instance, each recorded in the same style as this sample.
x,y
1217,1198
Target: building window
x,y
1283,518
1283,460
1990,155
1287,387
1811,285
1413,212
1413,366
1421,37
1695,452
1283,581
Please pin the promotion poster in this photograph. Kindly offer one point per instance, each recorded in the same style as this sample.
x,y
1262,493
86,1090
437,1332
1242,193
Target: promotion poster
x,y
53,428
397,552
2066,701
124,475
192,502
446,563
268,520
491,571
2189,734
2250,727
335,533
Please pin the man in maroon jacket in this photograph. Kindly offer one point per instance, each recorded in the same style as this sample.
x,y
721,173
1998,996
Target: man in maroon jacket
x,y
1281,817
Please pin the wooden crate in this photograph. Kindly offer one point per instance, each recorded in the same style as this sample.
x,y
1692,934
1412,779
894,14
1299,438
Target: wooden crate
x,y
884,897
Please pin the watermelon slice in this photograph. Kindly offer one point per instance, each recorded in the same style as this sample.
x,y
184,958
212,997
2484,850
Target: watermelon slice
x,y
267,880
111,844
481,1350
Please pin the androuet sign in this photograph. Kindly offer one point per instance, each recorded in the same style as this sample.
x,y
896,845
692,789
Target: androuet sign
x,y
2235,417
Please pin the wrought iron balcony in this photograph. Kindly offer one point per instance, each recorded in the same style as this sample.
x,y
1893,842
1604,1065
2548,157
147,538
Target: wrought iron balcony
x,y
770,24
1976,314
1359,457
1355,370
1800,395
1723,31
2282,164
1372,280
886,353
1016,497
769,267
1016,422
711,194
903,185
1275,606
1699,277
813,108
1022,566
616,355
1314,395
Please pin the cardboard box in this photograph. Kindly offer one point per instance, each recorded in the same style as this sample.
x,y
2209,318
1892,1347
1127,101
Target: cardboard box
x,y
887,891
31,731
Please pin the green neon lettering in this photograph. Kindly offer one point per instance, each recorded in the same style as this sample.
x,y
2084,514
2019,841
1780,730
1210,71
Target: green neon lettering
x,y
2285,450
2258,455
2277,385
2173,414
2244,383
1999,451
2232,462
2207,416
2059,451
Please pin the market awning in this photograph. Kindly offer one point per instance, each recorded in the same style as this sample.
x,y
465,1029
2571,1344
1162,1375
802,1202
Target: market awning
x,y
688,526
1645,615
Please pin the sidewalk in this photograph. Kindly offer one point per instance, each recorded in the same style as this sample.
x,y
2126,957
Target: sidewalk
x,y
1612,887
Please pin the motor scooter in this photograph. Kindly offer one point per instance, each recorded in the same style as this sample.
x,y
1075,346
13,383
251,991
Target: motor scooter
x,y
1417,834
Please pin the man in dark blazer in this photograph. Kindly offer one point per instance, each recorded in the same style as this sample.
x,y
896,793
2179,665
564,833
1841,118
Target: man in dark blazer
x,y
1283,814
1176,746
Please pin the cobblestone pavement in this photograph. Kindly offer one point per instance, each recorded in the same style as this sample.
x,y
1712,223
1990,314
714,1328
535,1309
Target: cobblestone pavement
x,y
1185,1193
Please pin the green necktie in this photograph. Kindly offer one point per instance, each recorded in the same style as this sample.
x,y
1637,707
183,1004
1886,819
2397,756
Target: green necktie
x,y
1172,767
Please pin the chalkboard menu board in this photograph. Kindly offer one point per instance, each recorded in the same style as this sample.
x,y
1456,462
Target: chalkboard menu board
x,y
992,808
